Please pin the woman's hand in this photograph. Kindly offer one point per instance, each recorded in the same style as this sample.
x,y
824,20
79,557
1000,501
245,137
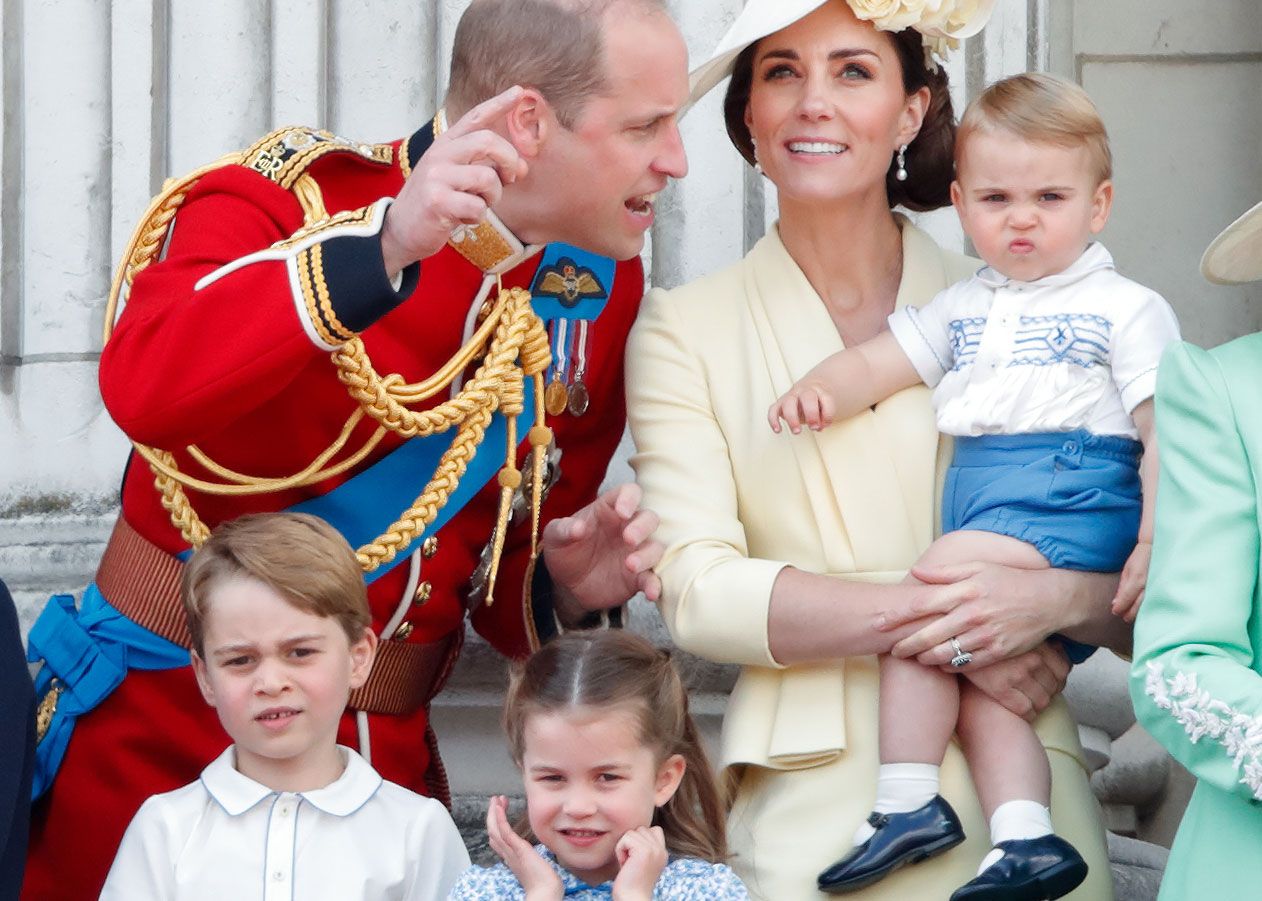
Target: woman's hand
x,y
995,612
641,856
538,880
1026,683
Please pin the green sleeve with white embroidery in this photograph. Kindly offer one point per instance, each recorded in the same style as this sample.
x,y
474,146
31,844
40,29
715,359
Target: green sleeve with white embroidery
x,y
1198,640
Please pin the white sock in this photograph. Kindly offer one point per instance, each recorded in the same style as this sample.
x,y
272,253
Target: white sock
x,y
900,787
1014,820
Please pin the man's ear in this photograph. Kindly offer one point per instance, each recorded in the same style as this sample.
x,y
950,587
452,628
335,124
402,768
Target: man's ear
x,y
530,122
203,677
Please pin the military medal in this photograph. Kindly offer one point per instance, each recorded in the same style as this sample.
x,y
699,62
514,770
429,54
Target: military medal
x,y
556,396
579,398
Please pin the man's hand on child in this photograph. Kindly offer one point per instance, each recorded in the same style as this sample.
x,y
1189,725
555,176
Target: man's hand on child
x,y
603,554
641,856
538,880
805,404
1130,590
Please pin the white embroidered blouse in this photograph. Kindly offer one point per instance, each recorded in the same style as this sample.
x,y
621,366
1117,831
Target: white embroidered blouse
x,y
1075,350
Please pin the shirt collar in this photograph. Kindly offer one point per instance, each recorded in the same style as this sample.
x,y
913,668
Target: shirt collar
x,y
1094,258
350,791
236,793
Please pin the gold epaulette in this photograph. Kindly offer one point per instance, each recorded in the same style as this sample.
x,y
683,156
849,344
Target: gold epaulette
x,y
285,154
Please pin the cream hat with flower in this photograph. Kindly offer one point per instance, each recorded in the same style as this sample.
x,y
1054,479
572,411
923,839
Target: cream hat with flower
x,y
941,23
1235,256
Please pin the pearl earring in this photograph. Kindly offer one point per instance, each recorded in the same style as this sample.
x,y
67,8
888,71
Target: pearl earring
x,y
754,145
901,172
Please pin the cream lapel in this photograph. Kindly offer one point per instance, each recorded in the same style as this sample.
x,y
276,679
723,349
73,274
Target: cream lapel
x,y
873,507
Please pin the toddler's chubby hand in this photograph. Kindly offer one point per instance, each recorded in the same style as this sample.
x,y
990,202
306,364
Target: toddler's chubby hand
x,y
806,403
641,858
1130,588
538,880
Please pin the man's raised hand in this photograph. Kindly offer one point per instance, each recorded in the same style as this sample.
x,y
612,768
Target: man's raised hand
x,y
458,179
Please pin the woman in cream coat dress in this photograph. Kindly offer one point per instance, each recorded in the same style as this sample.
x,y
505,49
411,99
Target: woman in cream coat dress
x,y
749,517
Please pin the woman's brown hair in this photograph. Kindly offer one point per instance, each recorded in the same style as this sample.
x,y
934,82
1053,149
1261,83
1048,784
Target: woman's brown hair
x,y
929,158
614,669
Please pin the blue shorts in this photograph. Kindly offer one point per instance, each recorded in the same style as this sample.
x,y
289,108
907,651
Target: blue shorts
x,y
1074,496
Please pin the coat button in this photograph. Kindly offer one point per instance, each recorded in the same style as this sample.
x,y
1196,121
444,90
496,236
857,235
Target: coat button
x,y
402,633
423,591
429,547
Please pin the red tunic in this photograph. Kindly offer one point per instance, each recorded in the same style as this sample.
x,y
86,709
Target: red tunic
x,y
232,369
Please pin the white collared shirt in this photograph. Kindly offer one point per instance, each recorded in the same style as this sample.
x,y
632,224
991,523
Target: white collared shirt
x,y
1075,350
227,836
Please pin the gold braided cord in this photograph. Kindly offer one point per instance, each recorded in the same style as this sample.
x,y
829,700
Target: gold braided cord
x,y
177,504
497,383
311,199
147,240
355,369
511,341
246,485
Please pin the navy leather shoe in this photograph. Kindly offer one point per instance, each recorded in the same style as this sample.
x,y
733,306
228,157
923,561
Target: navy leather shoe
x,y
1032,869
900,838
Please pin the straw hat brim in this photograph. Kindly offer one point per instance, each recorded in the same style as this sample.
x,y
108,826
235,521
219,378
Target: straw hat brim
x,y
758,19
1235,256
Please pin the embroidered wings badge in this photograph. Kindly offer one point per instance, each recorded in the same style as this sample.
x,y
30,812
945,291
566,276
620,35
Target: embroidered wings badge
x,y
569,282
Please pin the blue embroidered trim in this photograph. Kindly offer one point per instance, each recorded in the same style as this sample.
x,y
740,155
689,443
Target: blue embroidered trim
x,y
966,335
1080,339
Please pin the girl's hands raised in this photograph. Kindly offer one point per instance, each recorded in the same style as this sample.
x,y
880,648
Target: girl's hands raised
x,y
537,878
641,858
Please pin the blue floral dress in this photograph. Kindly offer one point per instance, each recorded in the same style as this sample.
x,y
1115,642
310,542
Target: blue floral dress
x,y
683,879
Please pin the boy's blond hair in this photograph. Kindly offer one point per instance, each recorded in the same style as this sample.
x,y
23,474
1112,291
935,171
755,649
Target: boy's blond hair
x,y
300,557
1041,109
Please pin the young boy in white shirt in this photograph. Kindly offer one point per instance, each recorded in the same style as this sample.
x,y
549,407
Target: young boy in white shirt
x,y
1044,364
280,629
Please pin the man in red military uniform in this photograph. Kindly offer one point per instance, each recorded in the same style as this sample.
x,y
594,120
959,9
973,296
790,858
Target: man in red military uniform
x,y
307,244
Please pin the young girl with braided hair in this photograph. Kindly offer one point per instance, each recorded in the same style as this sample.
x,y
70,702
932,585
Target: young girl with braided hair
x,y
620,795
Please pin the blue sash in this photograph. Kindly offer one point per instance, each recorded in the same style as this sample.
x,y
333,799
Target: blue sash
x,y
88,652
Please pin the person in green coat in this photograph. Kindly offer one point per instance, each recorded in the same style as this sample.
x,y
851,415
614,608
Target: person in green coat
x,y
1197,675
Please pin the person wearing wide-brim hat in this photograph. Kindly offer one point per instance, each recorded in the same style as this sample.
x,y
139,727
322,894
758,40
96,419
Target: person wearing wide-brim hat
x,y
1197,675
774,542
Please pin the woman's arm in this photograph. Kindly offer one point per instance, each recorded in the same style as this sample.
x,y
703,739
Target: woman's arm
x,y
804,625
715,597
1193,681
